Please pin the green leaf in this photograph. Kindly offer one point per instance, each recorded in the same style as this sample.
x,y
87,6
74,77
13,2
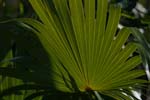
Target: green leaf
x,y
81,44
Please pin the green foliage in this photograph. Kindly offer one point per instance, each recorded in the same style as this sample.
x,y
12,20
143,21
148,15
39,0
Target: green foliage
x,y
85,52
7,82
144,48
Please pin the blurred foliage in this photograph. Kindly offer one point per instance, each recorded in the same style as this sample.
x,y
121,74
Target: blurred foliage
x,y
23,46
15,8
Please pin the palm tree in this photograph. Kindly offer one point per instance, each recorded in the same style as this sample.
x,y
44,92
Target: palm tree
x,y
85,49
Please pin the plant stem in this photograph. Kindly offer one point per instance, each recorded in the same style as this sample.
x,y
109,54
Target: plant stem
x,y
97,95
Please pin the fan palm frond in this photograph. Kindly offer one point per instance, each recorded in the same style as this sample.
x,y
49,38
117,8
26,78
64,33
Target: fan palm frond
x,y
85,51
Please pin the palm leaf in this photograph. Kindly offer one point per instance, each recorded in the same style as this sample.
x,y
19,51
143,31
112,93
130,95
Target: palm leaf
x,y
7,82
144,49
11,87
85,51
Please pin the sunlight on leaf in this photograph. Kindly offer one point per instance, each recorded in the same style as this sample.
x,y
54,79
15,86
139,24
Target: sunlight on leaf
x,y
79,38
